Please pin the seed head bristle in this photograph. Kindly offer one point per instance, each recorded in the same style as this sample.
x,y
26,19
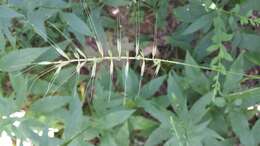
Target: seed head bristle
x,y
111,63
154,50
81,53
62,53
93,72
79,66
100,48
45,63
158,66
143,68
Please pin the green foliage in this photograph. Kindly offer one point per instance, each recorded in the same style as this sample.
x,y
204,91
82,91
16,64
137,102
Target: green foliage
x,y
69,65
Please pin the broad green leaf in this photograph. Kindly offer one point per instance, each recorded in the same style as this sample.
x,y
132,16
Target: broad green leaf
x,y
117,3
151,107
132,82
2,40
101,36
150,88
199,108
176,94
50,103
6,12
232,81
19,59
20,85
250,42
174,87
122,136
142,124
37,20
158,136
202,22
253,57
189,12
241,128
75,118
256,131
201,48
195,77
249,97
107,140
114,118
77,24
162,13
5,24
249,5
7,106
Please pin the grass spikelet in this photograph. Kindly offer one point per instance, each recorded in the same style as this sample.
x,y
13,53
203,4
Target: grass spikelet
x,y
143,68
93,71
62,53
81,53
100,48
158,66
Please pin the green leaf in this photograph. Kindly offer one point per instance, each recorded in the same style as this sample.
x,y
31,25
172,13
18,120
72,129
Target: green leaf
x,y
146,126
176,94
150,88
7,106
195,77
202,22
232,81
6,12
114,118
159,135
189,12
155,110
117,3
19,84
174,87
256,131
241,128
19,59
5,23
2,40
199,108
49,104
37,19
76,24
249,5
250,42
162,13
249,97
122,136
107,140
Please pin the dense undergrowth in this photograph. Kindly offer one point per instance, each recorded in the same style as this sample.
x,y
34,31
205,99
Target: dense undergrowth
x,y
130,73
